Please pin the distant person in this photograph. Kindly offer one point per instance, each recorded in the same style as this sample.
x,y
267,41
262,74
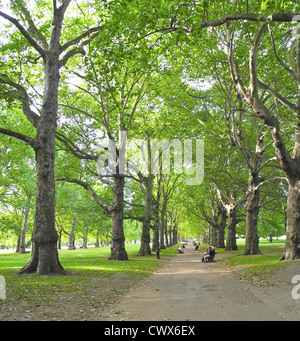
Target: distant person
x,y
196,247
179,249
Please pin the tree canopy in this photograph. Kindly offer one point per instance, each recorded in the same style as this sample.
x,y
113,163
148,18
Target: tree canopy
x,y
148,121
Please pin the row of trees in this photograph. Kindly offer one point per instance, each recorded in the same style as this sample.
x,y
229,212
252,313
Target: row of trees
x,y
81,78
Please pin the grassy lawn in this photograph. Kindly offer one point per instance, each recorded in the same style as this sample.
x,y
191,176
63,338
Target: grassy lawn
x,y
257,268
93,281
85,267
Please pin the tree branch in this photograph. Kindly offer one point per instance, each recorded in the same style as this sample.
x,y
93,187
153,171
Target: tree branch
x,y
266,162
234,69
22,95
276,17
251,97
32,29
82,36
73,149
280,98
61,5
25,33
107,208
69,54
253,89
28,140
276,55
277,178
134,218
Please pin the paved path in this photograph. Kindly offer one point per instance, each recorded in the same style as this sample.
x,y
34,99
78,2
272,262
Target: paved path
x,y
186,289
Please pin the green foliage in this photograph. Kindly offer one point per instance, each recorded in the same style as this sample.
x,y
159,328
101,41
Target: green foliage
x,y
278,5
149,70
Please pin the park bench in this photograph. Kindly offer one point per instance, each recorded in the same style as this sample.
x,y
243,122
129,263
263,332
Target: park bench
x,y
209,258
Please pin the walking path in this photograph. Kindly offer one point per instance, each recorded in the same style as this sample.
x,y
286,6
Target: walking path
x,y
186,289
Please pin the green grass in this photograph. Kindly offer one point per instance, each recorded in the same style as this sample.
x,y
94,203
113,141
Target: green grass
x,y
255,268
83,266
89,271
91,260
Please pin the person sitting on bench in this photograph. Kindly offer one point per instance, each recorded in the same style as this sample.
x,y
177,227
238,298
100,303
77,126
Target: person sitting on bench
x,y
209,255
179,249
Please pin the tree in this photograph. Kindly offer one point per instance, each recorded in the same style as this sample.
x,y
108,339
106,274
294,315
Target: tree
x,y
53,54
249,137
17,185
264,15
288,163
140,69
119,75
145,183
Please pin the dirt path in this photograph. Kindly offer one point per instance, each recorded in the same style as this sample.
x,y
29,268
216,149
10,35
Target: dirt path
x,y
186,289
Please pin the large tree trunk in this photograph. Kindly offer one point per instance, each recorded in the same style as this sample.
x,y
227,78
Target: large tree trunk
x,y
145,238
71,235
22,242
172,227
252,209
97,244
85,238
175,234
167,243
163,224
118,251
145,249
213,233
290,165
221,229
292,245
231,228
44,256
155,244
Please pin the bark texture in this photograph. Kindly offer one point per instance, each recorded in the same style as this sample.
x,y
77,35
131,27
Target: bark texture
x,y
44,255
145,249
118,251
231,228
292,246
252,210
289,164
